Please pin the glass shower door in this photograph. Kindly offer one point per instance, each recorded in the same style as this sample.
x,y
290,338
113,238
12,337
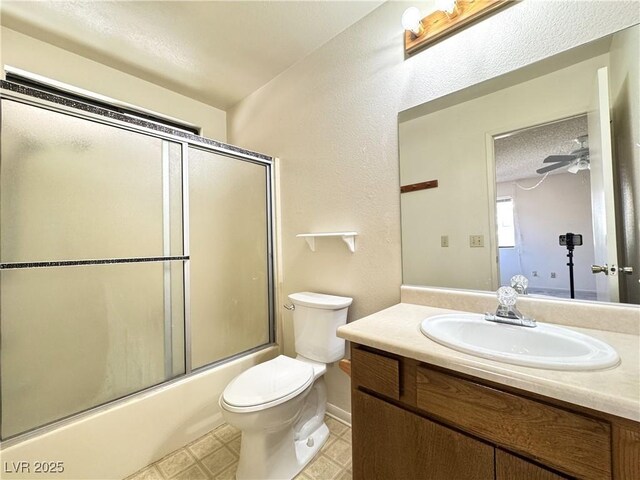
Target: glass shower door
x,y
91,270
229,251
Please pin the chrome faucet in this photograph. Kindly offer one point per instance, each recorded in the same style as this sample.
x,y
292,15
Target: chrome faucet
x,y
507,311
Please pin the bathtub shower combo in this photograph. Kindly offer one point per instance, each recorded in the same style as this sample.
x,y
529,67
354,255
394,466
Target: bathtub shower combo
x,y
132,254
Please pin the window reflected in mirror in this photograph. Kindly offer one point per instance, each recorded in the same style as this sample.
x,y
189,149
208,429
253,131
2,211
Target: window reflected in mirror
x,y
506,223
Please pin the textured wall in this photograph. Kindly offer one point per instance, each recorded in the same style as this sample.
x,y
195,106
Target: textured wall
x,y
332,117
27,53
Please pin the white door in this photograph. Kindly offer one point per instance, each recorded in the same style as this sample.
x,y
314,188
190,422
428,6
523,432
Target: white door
x,y
602,201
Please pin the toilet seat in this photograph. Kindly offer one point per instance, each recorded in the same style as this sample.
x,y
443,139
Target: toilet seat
x,y
268,384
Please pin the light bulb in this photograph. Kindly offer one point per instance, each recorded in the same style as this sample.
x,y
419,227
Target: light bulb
x,y
411,20
446,5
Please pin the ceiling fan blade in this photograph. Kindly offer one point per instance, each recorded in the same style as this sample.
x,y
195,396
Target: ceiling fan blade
x,y
548,168
559,158
580,151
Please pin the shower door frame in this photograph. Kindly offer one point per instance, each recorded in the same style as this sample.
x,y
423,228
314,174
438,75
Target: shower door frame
x,y
67,106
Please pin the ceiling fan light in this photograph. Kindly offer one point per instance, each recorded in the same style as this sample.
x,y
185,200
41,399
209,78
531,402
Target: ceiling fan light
x,y
584,164
578,165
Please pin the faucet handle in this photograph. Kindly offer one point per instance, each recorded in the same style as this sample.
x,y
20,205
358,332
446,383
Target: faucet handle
x,y
507,311
520,284
507,296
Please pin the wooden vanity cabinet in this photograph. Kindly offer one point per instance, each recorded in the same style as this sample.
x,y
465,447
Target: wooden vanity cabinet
x,y
392,443
415,421
510,467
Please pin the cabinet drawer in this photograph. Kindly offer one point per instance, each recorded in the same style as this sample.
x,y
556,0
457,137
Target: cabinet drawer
x,y
567,441
375,372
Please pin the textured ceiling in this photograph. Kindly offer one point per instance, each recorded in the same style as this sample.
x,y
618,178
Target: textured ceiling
x,y
519,154
217,52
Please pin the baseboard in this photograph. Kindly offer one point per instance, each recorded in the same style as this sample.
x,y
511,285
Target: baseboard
x,y
339,414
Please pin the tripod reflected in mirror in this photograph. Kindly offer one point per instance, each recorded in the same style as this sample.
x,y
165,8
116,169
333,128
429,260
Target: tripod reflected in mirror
x,y
571,240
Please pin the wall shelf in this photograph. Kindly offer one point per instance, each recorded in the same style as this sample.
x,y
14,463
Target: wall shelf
x,y
348,237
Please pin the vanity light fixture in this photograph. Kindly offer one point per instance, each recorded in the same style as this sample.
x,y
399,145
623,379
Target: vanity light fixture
x,y
449,7
451,15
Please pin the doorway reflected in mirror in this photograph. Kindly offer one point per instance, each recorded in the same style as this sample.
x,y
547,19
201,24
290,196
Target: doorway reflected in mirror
x,y
543,191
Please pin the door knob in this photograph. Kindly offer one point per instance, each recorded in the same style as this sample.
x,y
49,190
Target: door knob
x,y
600,269
611,270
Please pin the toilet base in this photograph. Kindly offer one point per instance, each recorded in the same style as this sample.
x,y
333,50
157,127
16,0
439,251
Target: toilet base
x,y
279,441
261,461
306,452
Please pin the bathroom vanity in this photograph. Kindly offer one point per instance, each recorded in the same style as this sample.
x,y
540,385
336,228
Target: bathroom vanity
x,y
423,411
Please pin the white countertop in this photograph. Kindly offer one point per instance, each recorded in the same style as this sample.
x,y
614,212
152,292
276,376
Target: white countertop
x,y
615,391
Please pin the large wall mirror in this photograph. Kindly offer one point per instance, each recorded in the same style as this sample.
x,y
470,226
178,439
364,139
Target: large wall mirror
x,y
520,162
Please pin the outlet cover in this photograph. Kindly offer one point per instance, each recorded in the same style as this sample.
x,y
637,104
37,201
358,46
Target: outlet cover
x,y
444,241
476,240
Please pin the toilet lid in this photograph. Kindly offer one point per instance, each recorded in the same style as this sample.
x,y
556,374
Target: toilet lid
x,y
320,300
278,379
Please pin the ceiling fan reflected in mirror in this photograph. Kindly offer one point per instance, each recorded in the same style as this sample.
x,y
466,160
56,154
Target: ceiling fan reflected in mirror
x,y
577,160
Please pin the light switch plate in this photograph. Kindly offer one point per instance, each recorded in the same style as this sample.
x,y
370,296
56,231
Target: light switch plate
x,y
444,241
476,240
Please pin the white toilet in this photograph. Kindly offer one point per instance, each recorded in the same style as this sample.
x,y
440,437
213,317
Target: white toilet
x,y
279,405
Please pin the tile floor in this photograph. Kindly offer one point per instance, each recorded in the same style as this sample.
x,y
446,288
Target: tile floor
x,y
215,457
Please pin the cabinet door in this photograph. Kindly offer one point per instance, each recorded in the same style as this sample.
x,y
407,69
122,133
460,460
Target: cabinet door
x,y
392,443
510,467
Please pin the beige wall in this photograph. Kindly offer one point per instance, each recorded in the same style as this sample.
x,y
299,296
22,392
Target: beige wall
x,y
332,117
625,99
21,51
451,145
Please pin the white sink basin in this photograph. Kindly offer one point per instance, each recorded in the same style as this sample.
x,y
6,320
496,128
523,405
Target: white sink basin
x,y
544,346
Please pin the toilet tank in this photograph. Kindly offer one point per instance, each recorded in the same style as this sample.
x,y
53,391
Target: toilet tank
x,y
315,320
